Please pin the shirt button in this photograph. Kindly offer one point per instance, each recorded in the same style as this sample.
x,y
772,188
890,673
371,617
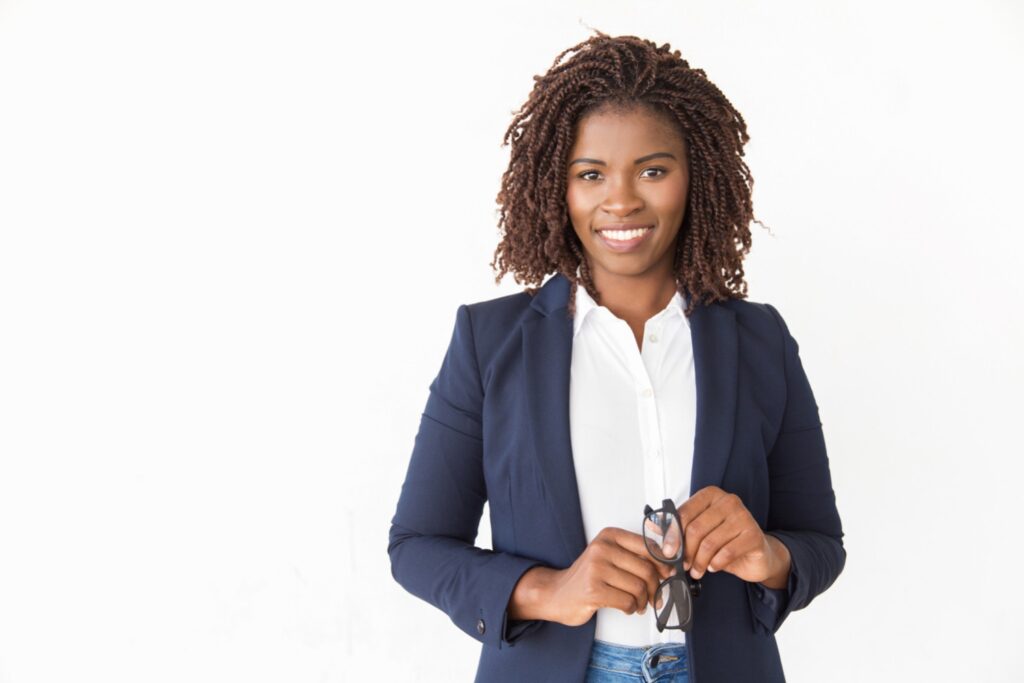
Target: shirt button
x,y
480,628
647,393
652,337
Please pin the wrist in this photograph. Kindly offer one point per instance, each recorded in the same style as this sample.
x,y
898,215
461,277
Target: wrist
x,y
782,562
530,597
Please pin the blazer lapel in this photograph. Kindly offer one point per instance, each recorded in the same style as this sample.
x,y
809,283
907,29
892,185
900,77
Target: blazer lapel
x,y
547,361
715,363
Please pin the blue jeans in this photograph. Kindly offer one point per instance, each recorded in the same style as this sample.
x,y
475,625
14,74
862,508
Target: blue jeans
x,y
664,663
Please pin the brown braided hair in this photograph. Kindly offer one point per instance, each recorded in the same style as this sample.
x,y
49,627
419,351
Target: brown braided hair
x,y
623,72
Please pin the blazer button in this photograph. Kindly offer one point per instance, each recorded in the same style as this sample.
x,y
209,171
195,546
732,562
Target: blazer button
x,y
480,626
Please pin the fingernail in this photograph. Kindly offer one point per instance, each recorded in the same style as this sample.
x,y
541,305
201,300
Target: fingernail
x,y
693,573
710,568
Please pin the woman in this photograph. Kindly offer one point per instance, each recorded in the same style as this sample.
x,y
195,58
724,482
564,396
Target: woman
x,y
637,373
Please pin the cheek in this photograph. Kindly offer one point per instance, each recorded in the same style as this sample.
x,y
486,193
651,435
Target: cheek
x,y
577,217
572,200
679,196
672,198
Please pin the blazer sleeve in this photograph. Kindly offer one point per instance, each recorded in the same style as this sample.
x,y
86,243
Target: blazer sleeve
x,y
432,532
802,506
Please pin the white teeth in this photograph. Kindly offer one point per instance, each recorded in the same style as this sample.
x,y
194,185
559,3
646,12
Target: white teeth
x,y
624,235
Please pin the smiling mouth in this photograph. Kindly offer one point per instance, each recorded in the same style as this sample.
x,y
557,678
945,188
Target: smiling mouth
x,y
620,235
624,240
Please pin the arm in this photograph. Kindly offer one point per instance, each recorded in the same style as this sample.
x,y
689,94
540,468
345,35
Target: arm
x,y
802,510
432,532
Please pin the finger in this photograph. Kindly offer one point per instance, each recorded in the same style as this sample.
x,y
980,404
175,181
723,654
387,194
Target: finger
x,y
635,544
622,581
738,520
697,503
626,539
736,549
698,529
673,539
712,544
668,539
649,571
628,551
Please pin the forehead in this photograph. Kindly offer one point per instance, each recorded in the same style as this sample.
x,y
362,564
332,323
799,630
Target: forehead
x,y
626,129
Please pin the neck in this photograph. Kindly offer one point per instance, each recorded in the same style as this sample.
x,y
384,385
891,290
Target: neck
x,y
635,297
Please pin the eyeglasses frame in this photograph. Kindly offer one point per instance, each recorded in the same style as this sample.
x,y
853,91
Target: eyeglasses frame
x,y
677,596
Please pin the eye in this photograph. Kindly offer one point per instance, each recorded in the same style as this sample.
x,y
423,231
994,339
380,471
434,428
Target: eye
x,y
660,172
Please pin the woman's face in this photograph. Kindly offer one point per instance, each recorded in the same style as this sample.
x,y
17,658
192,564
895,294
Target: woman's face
x,y
627,169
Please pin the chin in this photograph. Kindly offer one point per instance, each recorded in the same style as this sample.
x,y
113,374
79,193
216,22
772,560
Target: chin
x,y
627,269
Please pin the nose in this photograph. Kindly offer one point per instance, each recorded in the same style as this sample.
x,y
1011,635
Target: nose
x,y
622,199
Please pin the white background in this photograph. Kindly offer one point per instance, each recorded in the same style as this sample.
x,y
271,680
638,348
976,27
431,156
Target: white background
x,y
233,238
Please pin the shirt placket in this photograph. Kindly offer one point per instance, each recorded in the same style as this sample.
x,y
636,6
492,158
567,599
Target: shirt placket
x,y
648,360
655,485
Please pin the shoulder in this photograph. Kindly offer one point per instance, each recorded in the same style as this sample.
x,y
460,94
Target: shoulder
x,y
498,317
501,307
761,324
502,317
755,315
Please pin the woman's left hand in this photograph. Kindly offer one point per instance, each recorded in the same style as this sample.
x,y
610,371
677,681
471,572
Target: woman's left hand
x,y
721,535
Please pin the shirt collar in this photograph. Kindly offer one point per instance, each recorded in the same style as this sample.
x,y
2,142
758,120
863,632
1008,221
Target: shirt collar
x,y
585,305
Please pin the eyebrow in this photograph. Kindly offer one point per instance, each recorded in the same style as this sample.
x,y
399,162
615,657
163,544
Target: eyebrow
x,y
641,160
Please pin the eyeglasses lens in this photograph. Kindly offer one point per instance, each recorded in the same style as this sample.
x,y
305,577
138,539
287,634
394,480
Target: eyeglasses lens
x,y
663,536
673,613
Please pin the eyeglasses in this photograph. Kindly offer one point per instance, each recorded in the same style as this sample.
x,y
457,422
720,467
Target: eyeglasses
x,y
662,532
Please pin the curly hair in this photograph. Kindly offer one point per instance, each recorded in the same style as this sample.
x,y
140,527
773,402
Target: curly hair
x,y
620,73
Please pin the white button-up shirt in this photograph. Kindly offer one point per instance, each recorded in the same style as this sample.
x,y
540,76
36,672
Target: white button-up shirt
x,y
632,417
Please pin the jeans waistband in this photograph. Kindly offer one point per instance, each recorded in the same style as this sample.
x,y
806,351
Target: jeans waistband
x,y
646,661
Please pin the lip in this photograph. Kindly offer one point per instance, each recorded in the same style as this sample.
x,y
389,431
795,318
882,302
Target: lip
x,y
624,246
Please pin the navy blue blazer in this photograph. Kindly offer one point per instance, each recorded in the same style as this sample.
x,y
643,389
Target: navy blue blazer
x,y
496,429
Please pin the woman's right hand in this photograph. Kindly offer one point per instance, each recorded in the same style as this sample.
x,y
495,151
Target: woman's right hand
x,y
615,570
